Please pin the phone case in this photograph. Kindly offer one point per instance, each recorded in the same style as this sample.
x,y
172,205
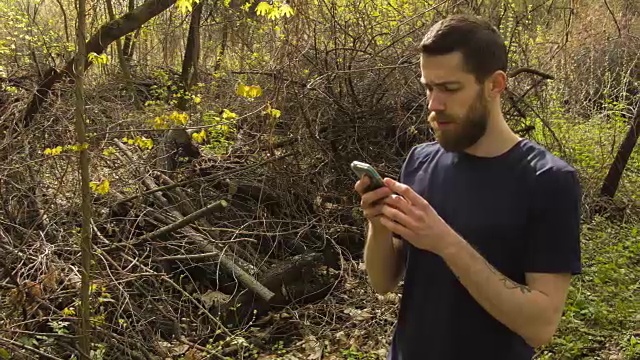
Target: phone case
x,y
360,169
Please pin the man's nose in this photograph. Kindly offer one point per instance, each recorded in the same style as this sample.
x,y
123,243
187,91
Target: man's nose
x,y
436,102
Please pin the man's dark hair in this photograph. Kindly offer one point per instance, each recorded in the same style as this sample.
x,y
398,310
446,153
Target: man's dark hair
x,y
482,47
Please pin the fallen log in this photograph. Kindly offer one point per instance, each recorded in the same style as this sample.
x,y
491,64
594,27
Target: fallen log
x,y
244,306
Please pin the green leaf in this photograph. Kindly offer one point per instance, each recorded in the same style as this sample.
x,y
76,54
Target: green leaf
x,y
28,341
4,354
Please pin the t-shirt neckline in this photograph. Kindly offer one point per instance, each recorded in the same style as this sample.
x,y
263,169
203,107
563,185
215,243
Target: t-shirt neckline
x,y
506,154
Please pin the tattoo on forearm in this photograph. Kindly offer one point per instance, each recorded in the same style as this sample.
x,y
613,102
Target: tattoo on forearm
x,y
508,283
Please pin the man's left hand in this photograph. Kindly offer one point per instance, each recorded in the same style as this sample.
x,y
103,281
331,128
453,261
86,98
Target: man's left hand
x,y
412,217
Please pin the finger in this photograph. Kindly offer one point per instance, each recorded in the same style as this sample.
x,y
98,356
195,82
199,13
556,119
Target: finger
x,y
372,212
372,197
362,184
396,227
399,203
398,216
407,192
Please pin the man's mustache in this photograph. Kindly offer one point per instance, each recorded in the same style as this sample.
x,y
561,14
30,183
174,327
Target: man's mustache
x,y
441,117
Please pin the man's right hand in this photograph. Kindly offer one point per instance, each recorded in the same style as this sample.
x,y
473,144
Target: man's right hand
x,y
382,253
371,202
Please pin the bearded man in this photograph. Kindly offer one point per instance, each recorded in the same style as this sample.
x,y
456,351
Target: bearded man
x,y
483,226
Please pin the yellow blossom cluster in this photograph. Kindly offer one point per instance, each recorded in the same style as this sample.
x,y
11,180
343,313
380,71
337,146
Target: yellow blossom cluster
x,y
59,149
170,120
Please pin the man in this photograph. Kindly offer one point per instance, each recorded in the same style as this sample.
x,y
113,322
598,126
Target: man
x,y
483,225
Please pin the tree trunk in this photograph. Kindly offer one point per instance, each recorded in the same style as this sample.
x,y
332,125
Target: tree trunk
x,y
127,47
175,144
85,242
612,180
124,66
223,47
191,55
130,45
98,43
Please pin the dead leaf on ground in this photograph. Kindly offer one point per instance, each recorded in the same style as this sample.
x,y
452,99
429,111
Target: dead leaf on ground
x,y
358,315
214,297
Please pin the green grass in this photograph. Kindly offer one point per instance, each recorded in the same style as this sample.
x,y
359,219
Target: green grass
x,y
602,314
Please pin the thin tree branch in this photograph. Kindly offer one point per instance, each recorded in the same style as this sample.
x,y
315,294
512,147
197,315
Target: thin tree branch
x,y
613,16
29,348
521,70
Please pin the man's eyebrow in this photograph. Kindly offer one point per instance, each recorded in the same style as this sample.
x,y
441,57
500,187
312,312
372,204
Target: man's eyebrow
x,y
442,83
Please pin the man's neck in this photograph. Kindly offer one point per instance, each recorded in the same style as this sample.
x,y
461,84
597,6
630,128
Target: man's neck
x,y
498,138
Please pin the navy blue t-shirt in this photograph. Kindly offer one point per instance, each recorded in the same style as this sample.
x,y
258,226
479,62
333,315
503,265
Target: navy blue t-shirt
x,y
520,210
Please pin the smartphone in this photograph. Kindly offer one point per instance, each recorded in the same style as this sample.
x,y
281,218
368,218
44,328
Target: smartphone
x,y
360,169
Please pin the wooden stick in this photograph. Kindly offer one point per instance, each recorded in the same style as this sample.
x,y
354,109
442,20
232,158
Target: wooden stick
x,y
189,219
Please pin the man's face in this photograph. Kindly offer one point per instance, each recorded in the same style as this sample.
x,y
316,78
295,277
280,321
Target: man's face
x,y
458,111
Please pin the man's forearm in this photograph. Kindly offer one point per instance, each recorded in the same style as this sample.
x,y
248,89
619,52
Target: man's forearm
x,y
381,259
525,311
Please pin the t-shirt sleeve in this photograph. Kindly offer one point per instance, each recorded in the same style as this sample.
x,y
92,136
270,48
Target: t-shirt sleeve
x,y
553,234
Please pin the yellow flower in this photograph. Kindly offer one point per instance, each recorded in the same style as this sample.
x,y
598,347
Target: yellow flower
x,y
249,91
179,118
53,152
199,137
100,188
228,115
109,151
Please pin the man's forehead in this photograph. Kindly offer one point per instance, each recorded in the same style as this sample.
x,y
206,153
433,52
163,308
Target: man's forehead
x,y
439,79
441,69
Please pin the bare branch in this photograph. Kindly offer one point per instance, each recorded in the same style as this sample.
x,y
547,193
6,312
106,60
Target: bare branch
x,y
189,219
613,16
521,70
29,348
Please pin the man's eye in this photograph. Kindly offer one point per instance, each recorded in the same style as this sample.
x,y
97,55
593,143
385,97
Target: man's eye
x,y
451,88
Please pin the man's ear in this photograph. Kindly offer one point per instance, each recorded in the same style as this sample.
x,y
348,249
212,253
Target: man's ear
x,y
496,84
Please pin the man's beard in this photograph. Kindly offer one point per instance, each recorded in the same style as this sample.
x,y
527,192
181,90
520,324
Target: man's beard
x,y
466,131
